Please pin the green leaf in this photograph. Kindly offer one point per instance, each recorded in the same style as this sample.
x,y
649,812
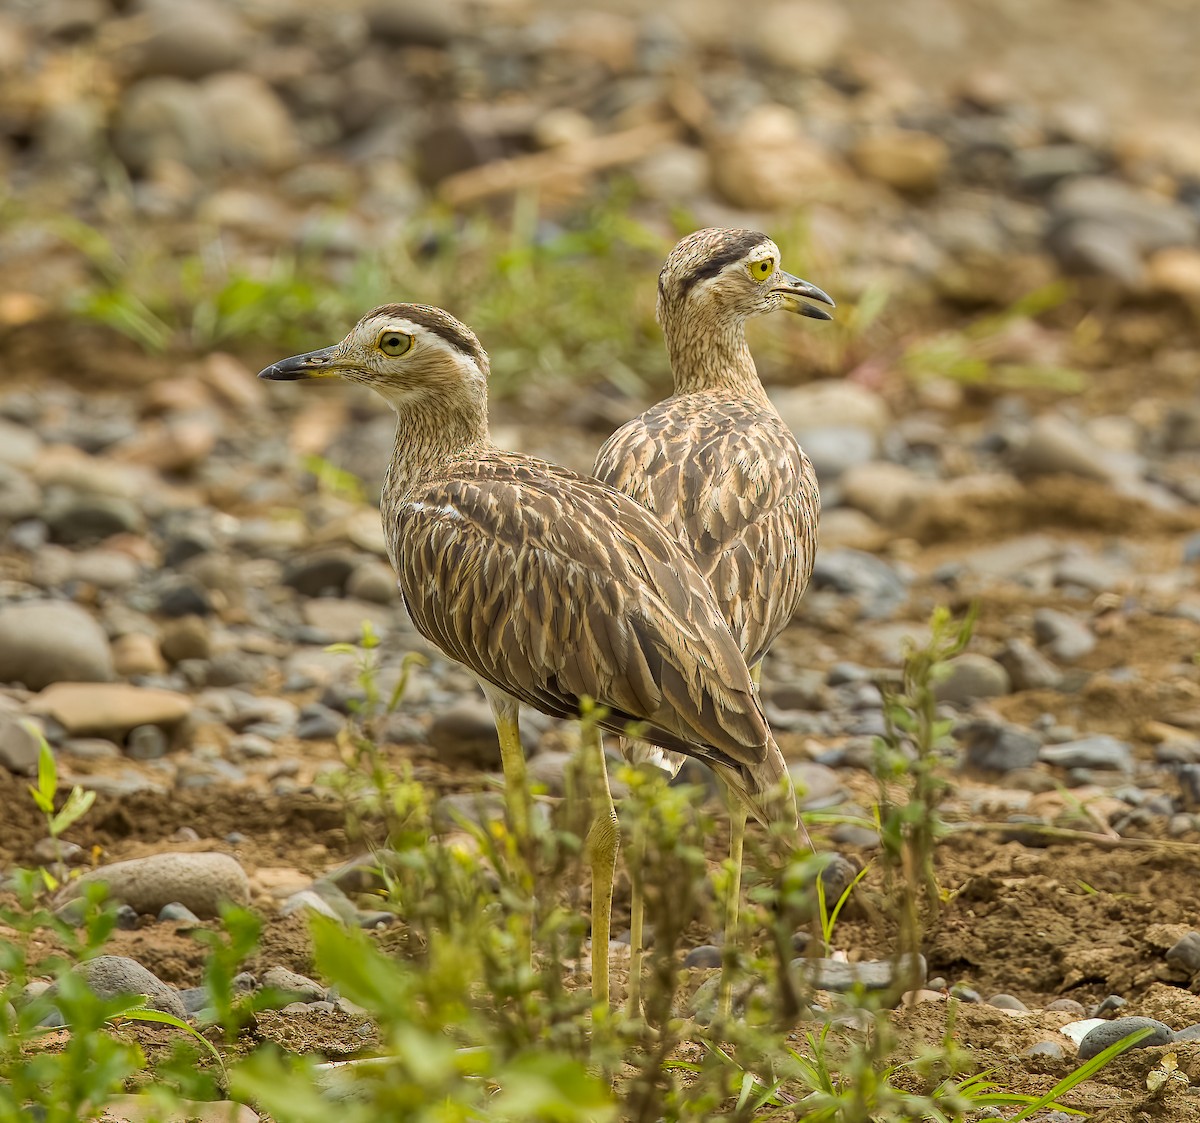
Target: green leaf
x,y
145,1014
77,805
47,772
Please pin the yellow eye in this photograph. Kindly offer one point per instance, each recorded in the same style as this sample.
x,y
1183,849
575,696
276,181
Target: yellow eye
x,y
761,270
394,343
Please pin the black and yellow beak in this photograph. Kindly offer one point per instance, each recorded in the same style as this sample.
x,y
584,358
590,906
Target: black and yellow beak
x,y
312,364
794,290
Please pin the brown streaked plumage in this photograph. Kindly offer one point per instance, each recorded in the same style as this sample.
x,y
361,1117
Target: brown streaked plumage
x,y
715,461
550,586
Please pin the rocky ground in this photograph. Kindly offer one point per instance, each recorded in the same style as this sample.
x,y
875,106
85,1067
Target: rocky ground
x,y
1004,414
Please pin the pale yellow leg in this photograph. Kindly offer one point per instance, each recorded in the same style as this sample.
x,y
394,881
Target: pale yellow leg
x,y
603,841
737,836
512,757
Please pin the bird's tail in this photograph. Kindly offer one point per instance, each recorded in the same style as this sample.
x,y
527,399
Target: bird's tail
x,y
765,787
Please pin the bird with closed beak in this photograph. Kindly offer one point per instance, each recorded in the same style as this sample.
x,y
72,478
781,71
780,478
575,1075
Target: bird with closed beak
x,y
718,465
551,587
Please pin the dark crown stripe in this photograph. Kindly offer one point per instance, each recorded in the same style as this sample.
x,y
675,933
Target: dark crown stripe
x,y
738,246
442,324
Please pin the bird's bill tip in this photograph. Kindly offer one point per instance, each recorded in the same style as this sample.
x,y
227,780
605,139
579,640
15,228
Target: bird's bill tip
x,y
312,364
797,293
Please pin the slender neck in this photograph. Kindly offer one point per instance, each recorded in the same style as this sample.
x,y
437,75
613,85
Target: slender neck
x,y
710,354
432,431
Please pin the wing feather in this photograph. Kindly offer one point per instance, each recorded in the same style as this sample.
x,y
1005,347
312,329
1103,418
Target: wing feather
x,y
554,588
728,478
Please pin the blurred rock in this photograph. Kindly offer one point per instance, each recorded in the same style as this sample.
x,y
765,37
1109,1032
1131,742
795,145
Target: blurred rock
x,y
111,976
428,23
1055,445
972,676
830,404
75,519
44,642
137,654
1176,270
799,34
902,158
20,745
1028,668
191,38
995,747
889,493
1066,638
768,162
86,708
202,882
164,120
673,174
253,129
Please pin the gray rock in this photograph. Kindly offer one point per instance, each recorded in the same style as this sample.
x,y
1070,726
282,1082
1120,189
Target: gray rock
x,y
1067,1006
309,901
373,581
870,974
965,993
704,956
184,596
817,785
1188,1033
319,723
1112,1002
178,913
993,747
201,882
1185,953
1089,245
76,519
191,38
295,985
20,745
161,120
319,574
837,449
108,976
876,585
1100,1038
43,642
1028,668
146,742
1097,575
1007,1002
1066,638
970,677
1148,221
1100,751
1051,1049
1040,168
1055,446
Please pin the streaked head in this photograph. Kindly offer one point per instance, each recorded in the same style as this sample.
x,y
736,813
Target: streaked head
x,y
405,352
732,274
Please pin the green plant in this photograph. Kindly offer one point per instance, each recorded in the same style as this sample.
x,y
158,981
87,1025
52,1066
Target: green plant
x,y
974,354
910,752
76,806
